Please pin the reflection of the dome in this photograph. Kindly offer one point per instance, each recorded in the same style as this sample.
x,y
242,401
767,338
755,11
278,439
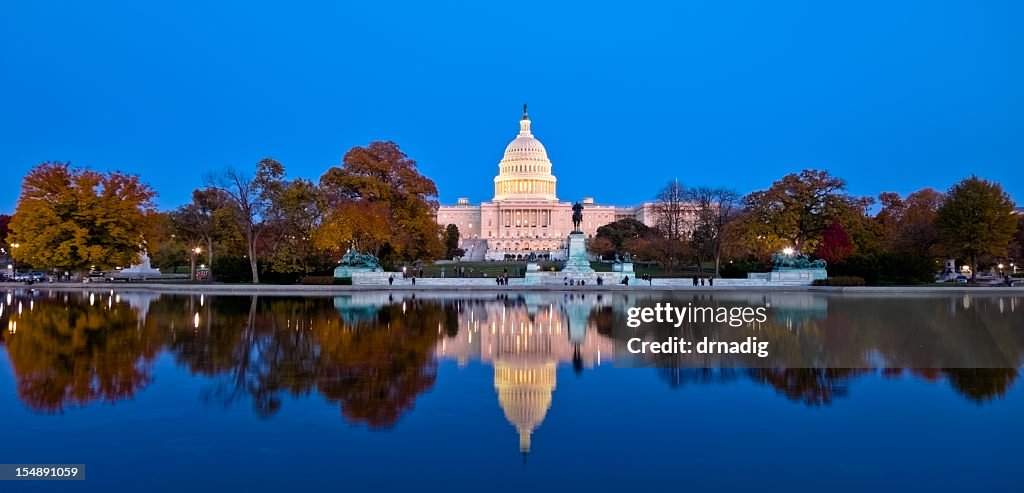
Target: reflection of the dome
x,y
525,339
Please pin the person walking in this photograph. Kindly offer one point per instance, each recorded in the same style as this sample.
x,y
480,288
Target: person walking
x,y
391,280
413,280
694,280
702,281
711,280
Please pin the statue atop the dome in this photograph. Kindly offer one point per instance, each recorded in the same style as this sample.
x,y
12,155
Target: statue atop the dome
x,y
524,112
577,216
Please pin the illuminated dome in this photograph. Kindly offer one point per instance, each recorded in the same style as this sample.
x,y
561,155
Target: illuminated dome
x,y
524,394
525,170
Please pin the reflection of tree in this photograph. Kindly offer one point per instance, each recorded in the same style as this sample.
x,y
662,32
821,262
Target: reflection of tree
x,y
262,348
376,371
812,386
259,347
981,384
677,377
76,353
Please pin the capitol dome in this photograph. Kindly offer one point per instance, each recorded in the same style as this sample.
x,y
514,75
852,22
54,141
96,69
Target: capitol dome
x,y
525,170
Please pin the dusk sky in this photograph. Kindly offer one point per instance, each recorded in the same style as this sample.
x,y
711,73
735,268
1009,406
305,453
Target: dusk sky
x,y
891,96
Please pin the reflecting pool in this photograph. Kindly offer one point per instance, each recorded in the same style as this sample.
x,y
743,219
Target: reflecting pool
x,y
508,392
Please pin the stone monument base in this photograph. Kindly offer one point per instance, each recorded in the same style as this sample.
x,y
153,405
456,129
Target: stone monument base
x,y
791,275
626,268
577,262
347,272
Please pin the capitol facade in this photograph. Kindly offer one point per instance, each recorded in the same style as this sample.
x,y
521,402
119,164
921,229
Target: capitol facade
x,y
525,215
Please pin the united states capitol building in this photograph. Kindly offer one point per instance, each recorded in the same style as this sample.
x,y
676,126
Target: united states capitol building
x,y
525,214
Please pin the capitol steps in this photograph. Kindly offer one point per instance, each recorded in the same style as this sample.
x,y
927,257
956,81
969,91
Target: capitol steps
x,y
475,249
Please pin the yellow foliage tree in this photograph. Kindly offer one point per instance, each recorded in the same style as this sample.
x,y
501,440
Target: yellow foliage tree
x,y
77,218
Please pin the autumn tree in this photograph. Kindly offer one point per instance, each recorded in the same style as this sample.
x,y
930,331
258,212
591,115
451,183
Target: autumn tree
x,y
976,220
382,182
248,199
909,224
1017,247
601,246
798,208
195,224
76,218
835,245
5,248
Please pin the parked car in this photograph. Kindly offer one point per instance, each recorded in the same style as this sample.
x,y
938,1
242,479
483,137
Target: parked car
x,y
961,279
99,276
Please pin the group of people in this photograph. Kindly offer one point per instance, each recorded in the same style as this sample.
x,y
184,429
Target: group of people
x,y
700,280
391,278
580,282
415,272
502,280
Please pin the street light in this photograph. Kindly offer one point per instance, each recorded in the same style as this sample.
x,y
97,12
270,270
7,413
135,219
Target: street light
x,y
788,250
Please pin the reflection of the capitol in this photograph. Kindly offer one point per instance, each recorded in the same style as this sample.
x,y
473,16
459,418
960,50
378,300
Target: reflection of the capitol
x,y
525,339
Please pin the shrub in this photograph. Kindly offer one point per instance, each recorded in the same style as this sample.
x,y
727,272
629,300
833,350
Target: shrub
x,y
840,281
317,280
230,268
888,268
738,269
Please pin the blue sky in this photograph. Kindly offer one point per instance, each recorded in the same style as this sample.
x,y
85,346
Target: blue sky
x,y
892,96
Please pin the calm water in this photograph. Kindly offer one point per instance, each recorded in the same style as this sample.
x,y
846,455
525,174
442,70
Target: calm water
x,y
507,392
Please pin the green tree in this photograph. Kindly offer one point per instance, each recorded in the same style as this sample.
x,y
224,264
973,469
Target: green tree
x,y
798,208
619,232
976,220
76,218
296,211
451,240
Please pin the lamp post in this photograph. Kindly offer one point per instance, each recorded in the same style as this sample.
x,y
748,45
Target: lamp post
x,y
192,264
14,262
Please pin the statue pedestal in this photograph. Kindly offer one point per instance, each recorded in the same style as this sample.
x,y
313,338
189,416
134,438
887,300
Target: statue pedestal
x,y
794,275
577,261
141,270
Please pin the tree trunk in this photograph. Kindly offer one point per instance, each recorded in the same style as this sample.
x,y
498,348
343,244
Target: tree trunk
x,y
718,263
252,261
974,268
192,265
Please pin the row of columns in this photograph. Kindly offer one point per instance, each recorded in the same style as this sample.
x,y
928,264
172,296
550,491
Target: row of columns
x,y
525,218
526,186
